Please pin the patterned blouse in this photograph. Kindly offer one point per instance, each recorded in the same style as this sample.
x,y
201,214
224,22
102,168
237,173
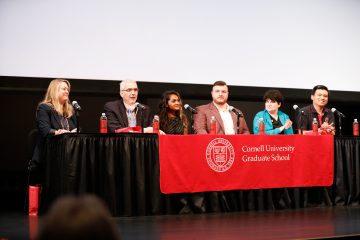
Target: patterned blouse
x,y
174,126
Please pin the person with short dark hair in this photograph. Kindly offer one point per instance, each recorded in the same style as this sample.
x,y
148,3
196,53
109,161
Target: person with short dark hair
x,y
276,121
325,118
226,120
74,218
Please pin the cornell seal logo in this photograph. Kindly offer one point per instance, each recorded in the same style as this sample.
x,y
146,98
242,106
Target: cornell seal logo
x,y
220,155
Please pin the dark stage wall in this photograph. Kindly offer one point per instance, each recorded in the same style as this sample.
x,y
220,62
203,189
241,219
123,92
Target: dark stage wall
x,y
19,97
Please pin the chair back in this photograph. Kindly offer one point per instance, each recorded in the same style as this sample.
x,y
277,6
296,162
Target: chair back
x,y
32,140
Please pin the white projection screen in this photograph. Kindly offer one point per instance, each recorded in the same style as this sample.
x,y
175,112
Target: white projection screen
x,y
270,43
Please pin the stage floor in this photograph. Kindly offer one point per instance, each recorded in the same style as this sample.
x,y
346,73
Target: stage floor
x,y
308,223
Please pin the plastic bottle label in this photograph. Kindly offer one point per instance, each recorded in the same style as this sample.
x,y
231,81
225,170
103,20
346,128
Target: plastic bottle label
x,y
103,126
213,127
315,129
261,128
155,127
356,129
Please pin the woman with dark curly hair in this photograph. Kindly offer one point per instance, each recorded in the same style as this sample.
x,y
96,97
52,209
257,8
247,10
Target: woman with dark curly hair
x,y
276,121
172,117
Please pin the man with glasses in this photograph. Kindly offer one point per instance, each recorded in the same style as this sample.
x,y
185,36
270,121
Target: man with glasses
x,y
226,119
123,113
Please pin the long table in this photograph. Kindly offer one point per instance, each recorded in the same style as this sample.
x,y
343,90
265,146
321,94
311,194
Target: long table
x,y
123,169
234,162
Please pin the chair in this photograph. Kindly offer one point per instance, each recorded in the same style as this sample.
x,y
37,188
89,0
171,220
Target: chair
x,y
32,140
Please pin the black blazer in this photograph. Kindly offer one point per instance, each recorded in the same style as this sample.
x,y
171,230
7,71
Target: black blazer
x,y
48,121
309,114
116,114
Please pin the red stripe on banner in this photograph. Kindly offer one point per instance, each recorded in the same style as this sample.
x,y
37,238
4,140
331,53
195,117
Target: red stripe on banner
x,y
200,163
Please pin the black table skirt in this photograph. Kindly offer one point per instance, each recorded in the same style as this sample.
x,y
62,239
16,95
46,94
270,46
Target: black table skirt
x,y
347,171
123,169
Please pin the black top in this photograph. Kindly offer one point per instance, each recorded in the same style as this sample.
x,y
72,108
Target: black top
x,y
48,121
276,123
309,114
174,126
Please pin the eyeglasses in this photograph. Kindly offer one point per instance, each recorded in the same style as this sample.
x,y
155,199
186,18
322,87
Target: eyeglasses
x,y
130,90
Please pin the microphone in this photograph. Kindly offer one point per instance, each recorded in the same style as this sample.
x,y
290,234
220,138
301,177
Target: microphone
x,y
76,106
139,105
237,112
296,108
190,109
340,114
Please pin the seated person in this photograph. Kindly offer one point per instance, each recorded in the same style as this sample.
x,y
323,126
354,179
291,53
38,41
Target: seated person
x,y
172,117
276,122
174,121
123,113
54,115
226,120
226,123
318,110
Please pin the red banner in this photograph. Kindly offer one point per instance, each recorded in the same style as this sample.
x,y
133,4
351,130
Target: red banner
x,y
200,163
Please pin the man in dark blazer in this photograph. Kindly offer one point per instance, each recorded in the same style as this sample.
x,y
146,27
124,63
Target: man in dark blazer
x,y
226,120
123,113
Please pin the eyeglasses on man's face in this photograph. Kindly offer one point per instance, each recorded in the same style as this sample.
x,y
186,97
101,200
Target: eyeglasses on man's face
x,y
129,90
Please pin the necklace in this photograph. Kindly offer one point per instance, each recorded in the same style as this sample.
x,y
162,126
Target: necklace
x,y
64,123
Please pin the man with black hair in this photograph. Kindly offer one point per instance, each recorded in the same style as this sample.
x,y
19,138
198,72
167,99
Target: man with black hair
x,y
318,110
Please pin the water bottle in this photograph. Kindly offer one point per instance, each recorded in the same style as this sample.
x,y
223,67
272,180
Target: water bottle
x,y
103,123
356,127
156,124
315,127
212,125
261,126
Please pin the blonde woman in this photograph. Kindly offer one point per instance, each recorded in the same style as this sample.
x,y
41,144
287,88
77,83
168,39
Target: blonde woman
x,y
54,116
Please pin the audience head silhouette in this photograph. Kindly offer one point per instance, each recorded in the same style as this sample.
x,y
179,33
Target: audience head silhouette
x,y
84,217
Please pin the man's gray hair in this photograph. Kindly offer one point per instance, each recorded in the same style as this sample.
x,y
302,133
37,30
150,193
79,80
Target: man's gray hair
x,y
124,82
